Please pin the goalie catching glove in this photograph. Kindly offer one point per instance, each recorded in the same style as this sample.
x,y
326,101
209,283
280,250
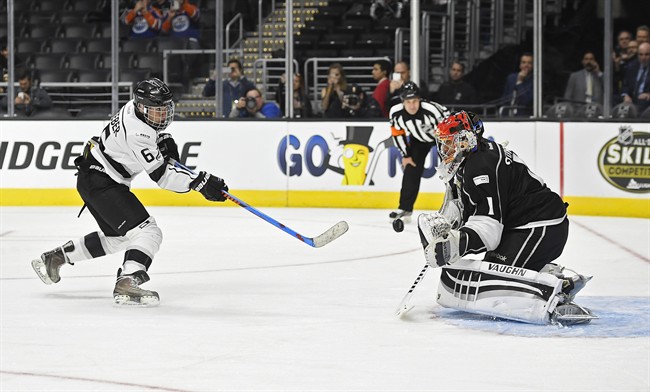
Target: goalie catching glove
x,y
168,147
210,186
441,244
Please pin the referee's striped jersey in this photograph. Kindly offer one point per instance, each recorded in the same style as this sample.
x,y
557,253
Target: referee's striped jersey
x,y
420,126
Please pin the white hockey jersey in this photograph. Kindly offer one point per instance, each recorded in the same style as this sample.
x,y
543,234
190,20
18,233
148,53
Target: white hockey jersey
x,y
128,147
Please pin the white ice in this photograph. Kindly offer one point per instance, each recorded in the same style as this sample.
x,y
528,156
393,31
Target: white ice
x,y
245,306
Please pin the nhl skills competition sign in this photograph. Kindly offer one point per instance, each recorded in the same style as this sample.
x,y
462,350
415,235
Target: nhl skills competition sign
x,y
624,161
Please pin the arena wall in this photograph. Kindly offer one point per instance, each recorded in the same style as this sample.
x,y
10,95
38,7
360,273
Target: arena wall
x,y
599,168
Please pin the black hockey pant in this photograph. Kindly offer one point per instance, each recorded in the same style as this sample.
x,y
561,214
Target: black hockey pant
x,y
530,248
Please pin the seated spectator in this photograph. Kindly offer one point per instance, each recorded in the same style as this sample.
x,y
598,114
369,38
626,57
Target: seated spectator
x,y
636,86
402,75
356,104
146,18
620,59
29,98
234,87
332,95
642,34
253,105
518,90
301,104
456,92
586,85
182,20
386,9
380,71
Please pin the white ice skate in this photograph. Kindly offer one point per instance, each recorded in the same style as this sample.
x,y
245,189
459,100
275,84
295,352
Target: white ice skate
x,y
128,292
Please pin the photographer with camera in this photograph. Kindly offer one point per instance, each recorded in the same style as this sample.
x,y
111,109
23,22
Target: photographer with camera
x,y
233,87
356,104
253,105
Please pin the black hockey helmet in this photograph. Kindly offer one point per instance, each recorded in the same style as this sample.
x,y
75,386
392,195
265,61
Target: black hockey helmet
x,y
409,90
153,101
477,123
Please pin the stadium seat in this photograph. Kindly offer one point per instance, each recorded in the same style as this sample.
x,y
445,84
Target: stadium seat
x,y
134,75
83,61
97,45
28,46
55,75
125,61
138,46
51,114
93,76
45,31
44,61
589,110
80,31
624,110
560,110
64,45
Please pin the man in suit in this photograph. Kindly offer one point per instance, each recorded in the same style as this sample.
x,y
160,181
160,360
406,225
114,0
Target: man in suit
x,y
636,85
586,85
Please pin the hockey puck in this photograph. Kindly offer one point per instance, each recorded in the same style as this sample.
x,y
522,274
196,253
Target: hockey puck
x,y
398,225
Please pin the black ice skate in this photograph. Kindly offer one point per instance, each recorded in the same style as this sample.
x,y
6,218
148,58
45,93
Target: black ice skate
x,y
405,216
128,292
48,266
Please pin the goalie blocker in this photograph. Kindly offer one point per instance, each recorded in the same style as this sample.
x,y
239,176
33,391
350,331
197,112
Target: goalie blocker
x,y
507,292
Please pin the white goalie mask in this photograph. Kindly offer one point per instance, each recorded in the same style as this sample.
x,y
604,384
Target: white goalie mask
x,y
455,138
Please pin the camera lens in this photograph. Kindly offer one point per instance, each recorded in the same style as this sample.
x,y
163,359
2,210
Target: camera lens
x,y
251,103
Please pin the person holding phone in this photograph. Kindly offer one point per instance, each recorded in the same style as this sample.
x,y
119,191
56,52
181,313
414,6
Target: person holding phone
x,y
29,98
380,75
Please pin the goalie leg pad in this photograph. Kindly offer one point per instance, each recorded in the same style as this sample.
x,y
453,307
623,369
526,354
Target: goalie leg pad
x,y
499,290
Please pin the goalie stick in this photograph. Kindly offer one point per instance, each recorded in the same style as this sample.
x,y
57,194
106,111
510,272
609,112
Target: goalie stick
x,y
323,239
403,307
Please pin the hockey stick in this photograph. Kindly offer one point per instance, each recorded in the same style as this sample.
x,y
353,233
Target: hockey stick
x,y
323,239
403,307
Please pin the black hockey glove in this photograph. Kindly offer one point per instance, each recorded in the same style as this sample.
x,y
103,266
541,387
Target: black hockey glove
x,y
210,186
168,147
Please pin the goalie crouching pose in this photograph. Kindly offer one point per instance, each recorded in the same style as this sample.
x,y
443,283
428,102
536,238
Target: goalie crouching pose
x,y
131,143
495,204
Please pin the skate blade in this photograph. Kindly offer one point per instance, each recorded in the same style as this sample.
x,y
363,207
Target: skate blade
x,y
144,302
41,271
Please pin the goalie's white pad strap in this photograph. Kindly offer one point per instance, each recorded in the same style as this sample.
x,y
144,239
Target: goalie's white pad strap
x,y
499,290
488,229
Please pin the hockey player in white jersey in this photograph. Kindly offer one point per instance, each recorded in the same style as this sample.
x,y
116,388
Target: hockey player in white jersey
x,y
133,142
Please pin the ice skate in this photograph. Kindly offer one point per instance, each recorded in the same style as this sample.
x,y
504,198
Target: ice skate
x,y
405,216
128,292
571,314
47,267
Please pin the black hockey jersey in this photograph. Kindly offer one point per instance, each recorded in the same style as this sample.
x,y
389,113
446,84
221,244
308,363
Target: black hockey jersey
x,y
499,192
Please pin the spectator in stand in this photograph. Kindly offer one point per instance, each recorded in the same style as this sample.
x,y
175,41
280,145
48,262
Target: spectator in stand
x,y
301,104
253,105
402,75
636,86
642,34
332,95
632,49
518,90
356,104
146,18
619,59
386,9
183,20
586,85
380,71
234,87
456,92
29,98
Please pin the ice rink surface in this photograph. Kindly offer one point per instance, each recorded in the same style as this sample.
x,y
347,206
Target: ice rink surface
x,y
246,307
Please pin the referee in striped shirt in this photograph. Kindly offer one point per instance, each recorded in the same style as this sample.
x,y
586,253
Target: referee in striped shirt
x,y
412,125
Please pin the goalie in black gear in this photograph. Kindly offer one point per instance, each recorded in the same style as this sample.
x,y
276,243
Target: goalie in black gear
x,y
495,204
133,142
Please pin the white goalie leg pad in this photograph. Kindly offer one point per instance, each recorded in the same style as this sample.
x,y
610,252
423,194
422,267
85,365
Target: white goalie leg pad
x,y
499,290
451,209
146,237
